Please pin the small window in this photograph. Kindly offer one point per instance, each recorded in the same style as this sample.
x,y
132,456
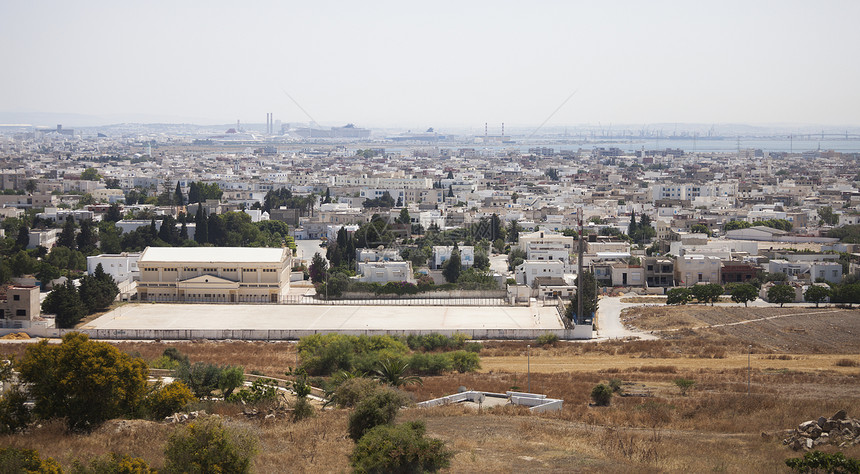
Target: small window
x,y
16,297
21,312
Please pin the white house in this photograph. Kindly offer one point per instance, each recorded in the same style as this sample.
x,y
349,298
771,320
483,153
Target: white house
x,y
121,266
691,269
442,253
526,272
384,272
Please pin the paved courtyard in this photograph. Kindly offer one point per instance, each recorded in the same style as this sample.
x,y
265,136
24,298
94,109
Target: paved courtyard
x,y
322,317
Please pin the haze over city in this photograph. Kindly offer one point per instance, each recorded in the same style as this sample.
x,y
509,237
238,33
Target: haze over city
x,y
404,64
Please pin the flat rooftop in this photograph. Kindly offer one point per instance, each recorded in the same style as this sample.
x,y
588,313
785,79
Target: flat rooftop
x,y
212,255
325,317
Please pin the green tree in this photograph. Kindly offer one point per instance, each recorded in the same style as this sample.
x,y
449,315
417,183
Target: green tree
x,y
601,395
846,293
14,413
451,269
109,237
113,463
318,268
15,460
201,226
515,258
113,213
202,378
230,379
401,448
97,291
65,302
404,218
86,382
67,236
708,293
701,229
590,302
684,385
91,174
827,216
378,409
207,446
167,232
514,232
88,237
46,273
816,294
743,293
780,294
167,400
392,371
178,197
23,238
677,296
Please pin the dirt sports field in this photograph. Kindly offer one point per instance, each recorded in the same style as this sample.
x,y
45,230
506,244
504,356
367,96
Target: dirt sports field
x,y
805,363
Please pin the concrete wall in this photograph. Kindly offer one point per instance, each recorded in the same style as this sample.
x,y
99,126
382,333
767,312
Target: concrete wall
x,y
579,332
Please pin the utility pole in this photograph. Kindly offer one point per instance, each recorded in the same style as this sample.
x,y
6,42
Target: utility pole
x,y
580,286
529,367
749,369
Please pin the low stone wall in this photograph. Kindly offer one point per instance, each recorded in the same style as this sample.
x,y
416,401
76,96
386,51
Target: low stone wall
x,y
577,333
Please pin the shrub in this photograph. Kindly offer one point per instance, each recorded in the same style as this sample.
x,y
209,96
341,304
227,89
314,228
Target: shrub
x,y
846,363
330,353
547,339
27,460
168,400
206,446
302,408
473,347
202,378
615,385
601,395
378,409
83,381
14,414
434,341
463,361
817,461
230,379
113,463
394,372
401,448
430,364
261,390
684,385
353,391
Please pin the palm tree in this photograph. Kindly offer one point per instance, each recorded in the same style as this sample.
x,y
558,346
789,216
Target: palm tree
x,y
393,372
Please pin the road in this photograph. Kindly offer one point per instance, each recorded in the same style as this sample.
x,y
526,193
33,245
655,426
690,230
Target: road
x,y
609,325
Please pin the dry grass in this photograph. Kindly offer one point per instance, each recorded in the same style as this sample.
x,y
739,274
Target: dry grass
x,y
797,374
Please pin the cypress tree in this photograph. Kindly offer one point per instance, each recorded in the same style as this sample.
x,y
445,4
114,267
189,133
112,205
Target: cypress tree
x,y
201,232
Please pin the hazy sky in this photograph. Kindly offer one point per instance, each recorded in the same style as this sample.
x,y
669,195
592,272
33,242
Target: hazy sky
x,y
435,63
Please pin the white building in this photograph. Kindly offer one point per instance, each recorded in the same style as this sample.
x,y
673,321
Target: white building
x,y
691,269
45,238
121,267
384,272
526,272
214,274
442,253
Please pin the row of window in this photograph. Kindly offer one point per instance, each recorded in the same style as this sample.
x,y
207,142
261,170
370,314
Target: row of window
x,y
208,270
